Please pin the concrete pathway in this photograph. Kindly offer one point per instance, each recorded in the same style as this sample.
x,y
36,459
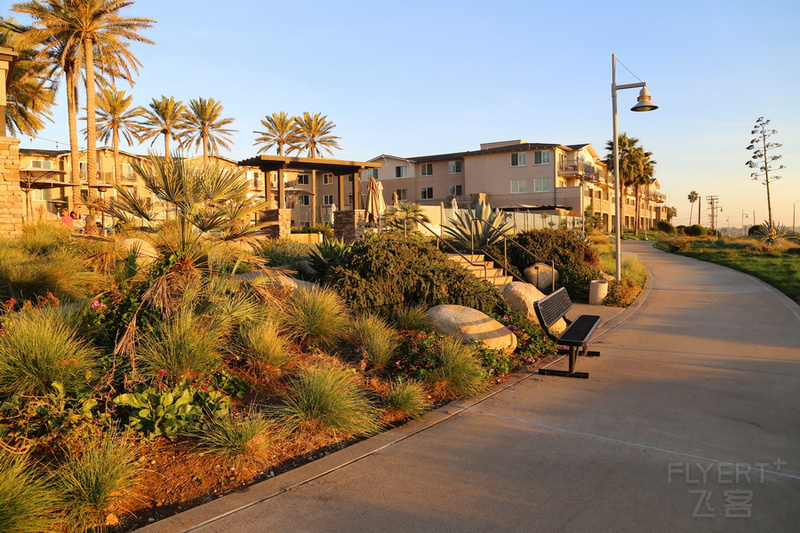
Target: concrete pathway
x,y
690,421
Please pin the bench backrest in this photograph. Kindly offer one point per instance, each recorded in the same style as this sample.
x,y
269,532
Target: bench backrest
x,y
553,307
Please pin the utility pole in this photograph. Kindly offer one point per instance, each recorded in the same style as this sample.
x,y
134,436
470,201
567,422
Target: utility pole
x,y
713,202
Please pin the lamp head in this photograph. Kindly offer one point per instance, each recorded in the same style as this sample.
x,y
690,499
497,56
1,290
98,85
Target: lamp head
x,y
644,103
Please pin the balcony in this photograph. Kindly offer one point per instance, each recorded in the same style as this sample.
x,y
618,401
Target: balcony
x,y
579,168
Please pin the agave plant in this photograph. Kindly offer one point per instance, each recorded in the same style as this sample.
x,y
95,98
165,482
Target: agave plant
x,y
770,234
330,253
479,227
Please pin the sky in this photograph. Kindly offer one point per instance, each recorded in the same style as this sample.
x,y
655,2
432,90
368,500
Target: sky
x,y
426,77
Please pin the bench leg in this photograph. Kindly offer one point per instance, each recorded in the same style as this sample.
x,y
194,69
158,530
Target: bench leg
x,y
573,356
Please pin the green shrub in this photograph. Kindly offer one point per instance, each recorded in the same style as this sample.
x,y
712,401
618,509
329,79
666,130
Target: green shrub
x,y
666,227
241,439
576,260
407,399
532,342
283,253
372,340
160,411
696,230
793,251
327,231
412,317
457,370
330,401
634,269
27,503
40,351
182,345
316,316
93,483
323,257
388,271
621,293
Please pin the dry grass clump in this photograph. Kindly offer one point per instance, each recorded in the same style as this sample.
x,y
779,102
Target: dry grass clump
x,y
27,503
373,340
316,316
242,439
458,371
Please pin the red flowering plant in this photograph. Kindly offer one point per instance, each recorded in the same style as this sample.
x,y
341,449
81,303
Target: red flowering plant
x,y
532,342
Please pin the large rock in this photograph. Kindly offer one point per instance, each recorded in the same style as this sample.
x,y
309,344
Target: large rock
x,y
145,252
471,324
541,275
521,296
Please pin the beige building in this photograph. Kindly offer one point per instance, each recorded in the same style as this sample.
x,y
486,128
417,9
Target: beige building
x,y
517,175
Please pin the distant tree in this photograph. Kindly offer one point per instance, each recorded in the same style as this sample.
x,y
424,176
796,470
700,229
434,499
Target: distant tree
x,y
281,131
636,168
762,162
163,116
115,117
693,197
205,127
315,134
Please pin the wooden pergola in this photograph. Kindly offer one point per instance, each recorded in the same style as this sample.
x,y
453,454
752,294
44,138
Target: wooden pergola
x,y
337,167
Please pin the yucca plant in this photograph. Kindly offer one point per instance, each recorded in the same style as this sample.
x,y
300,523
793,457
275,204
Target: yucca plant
x,y
94,483
240,439
27,503
407,398
373,340
262,346
478,228
40,348
457,371
182,344
330,401
316,316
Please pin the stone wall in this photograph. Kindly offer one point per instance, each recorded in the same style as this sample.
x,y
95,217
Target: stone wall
x,y
12,199
349,225
278,223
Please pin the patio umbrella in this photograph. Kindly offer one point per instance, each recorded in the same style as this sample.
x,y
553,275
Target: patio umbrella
x,y
454,204
395,200
375,203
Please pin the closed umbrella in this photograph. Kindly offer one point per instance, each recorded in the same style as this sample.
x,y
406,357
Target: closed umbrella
x,y
375,203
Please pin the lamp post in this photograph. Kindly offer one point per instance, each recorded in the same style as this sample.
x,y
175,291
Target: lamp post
x,y
793,215
643,104
744,229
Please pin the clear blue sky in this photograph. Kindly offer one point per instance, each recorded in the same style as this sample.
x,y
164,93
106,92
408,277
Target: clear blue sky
x,y
425,77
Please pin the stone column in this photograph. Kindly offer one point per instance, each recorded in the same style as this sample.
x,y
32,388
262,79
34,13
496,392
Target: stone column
x,y
278,223
350,225
11,197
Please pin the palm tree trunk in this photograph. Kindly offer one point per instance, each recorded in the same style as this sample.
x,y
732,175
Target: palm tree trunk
x,y
91,126
74,155
636,210
115,142
166,145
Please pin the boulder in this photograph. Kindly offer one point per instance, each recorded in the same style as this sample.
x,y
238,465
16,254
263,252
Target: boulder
x,y
541,275
145,252
471,324
521,296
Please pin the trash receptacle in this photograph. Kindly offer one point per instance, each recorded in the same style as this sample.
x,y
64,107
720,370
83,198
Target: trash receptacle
x,y
598,289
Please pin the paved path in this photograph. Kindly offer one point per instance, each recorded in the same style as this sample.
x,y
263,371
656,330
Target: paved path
x,y
690,421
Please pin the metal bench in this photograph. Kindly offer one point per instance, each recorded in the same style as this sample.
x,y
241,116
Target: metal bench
x,y
576,337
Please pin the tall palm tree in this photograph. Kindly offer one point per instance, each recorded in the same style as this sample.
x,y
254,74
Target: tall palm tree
x,y
314,132
115,118
280,130
205,127
31,89
163,116
636,168
693,197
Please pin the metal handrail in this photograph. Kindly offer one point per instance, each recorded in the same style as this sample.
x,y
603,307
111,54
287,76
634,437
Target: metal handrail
x,y
440,239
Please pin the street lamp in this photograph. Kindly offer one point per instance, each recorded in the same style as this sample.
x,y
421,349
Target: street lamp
x,y
643,104
793,213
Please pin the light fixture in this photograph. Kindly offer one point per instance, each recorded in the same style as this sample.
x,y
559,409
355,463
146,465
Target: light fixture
x,y
643,104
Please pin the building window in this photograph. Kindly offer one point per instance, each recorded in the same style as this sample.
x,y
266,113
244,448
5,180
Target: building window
x,y
327,199
455,190
47,165
541,157
518,159
455,167
371,173
349,178
402,194
305,223
127,170
541,185
519,185
327,179
304,199
426,169
426,193
302,179
400,171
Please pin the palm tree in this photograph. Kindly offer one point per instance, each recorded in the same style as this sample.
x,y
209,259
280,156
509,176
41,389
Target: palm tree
x,y
31,89
314,132
635,167
79,32
205,127
115,118
162,117
280,131
693,197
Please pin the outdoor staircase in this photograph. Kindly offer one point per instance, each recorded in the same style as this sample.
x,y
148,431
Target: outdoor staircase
x,y
482,269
